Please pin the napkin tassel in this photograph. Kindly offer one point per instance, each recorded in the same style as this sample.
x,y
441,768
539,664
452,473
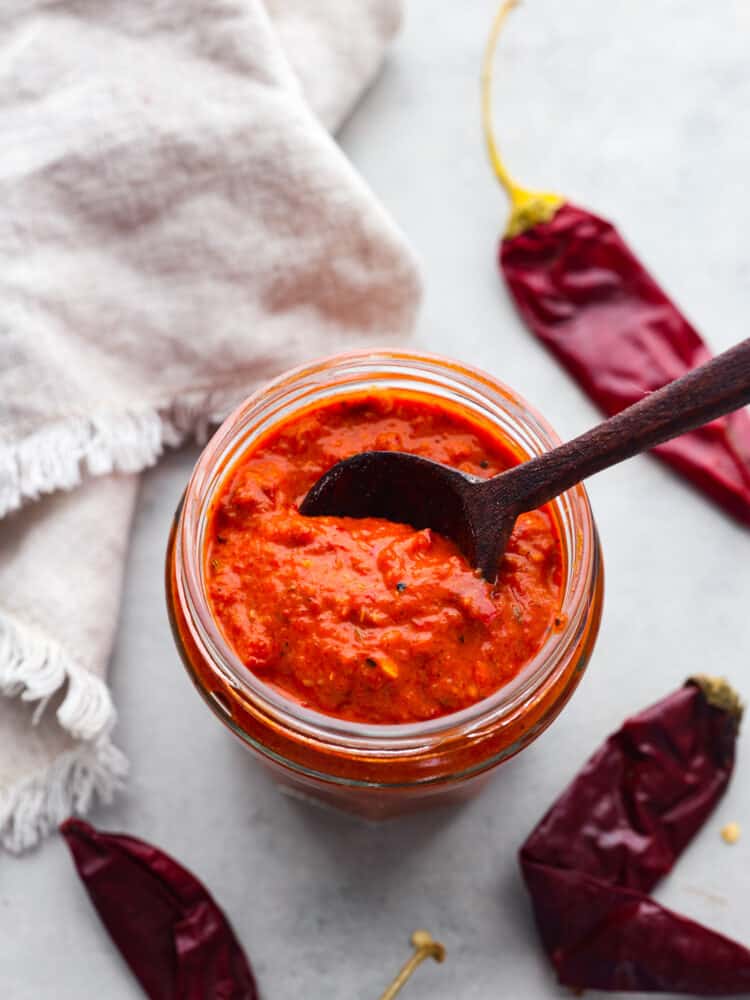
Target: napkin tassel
x,y
35,668
59,456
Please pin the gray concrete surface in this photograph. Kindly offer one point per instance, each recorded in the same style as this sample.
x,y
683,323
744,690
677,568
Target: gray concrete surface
x,y
638,110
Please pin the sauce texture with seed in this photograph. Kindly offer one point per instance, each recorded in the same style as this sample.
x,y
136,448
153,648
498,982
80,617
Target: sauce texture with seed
x,y
367,620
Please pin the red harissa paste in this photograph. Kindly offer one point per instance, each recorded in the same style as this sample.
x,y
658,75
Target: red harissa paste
x,y
368,620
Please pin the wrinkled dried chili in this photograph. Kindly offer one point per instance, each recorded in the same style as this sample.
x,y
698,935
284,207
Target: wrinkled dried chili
x,y
169,930
586,296
616,830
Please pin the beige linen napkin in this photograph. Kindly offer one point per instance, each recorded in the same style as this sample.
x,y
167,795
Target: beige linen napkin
x,y
175,225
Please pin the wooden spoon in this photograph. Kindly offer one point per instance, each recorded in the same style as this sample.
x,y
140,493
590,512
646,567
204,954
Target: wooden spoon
x,y
479,514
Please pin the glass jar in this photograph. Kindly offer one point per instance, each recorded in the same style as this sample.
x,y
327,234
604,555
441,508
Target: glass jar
x,y
382,770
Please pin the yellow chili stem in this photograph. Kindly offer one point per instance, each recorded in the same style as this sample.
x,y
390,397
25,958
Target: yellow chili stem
x,y
424,947
526,207
718,692
501,171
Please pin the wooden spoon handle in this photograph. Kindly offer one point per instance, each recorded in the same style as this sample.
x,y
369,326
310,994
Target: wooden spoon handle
x,y
716,388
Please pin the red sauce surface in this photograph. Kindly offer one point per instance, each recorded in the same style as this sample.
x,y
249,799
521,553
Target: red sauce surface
x,y
365,619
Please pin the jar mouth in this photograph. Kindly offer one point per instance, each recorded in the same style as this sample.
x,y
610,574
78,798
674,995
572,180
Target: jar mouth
x,y
343,374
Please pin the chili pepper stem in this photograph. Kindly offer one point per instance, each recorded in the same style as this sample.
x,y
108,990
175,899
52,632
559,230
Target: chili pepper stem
x,y
526,207
424,947
719,693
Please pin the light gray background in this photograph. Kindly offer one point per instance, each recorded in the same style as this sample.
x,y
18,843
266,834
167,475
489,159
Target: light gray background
x,y
638,110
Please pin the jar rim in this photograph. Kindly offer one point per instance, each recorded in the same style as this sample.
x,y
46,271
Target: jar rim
x,y
224,449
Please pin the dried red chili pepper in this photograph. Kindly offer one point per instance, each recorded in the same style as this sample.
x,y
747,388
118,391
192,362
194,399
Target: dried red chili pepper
x,y
616,830
588,298
174,937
